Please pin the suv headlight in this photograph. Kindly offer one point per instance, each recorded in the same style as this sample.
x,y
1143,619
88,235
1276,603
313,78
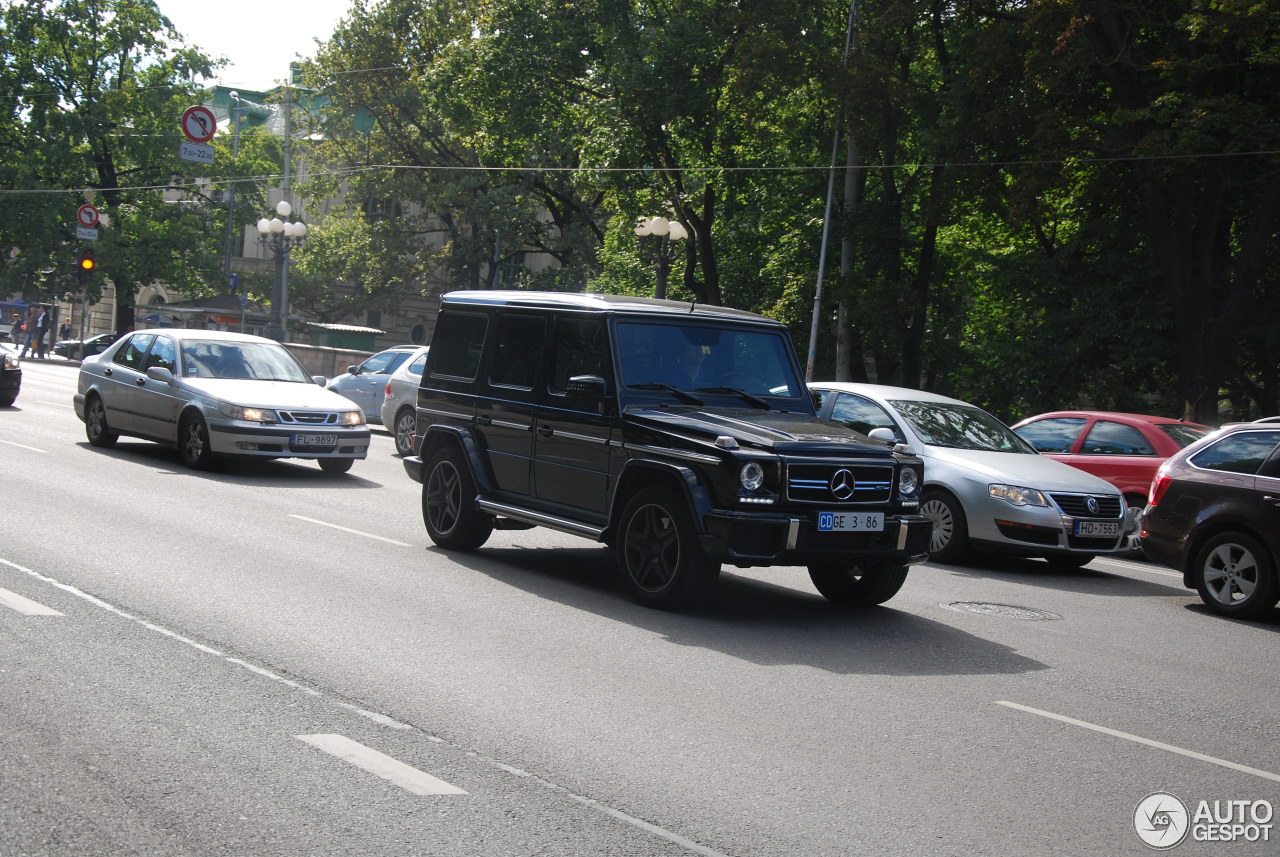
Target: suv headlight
x,y
751,476
1018,495
908,481
253,415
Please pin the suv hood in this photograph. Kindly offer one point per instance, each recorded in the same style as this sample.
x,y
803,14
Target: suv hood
x,y
778,431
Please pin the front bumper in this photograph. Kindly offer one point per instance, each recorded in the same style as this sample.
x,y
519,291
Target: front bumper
x,y
746,539
240,438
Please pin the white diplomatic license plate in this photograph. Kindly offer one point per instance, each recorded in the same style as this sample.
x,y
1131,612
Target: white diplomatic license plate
x,y
315,441
1098,529
850,522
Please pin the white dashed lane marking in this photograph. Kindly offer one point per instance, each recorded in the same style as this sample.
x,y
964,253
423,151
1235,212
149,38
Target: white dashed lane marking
x,y
25,606
353,532
379,764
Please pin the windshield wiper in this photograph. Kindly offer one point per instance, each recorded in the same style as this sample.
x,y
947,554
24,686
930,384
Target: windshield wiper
x,y
682,395
749,398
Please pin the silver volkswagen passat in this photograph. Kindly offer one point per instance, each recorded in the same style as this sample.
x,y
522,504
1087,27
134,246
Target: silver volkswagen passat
x,y
985,488
214,393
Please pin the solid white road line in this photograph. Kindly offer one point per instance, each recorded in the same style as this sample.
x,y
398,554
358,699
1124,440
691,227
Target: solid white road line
x,y
25,606
24,446
1138,566
392,770
353,532
1137,739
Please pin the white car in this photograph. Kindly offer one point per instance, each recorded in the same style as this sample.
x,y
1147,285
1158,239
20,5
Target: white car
x,y
985,488
400,401
212,393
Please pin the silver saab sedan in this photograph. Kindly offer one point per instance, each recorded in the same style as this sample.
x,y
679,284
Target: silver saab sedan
x,y
985,488
213,393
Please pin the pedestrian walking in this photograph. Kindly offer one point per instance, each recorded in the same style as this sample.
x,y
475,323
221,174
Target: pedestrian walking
x,y
43,322
29,340
64,332
15,332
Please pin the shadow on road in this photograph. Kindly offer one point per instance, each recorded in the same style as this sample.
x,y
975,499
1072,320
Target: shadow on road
x,y
758,621
256,472
1090,580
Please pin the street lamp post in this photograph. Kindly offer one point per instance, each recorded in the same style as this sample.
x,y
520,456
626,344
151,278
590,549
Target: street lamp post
x,y
669,231
280,236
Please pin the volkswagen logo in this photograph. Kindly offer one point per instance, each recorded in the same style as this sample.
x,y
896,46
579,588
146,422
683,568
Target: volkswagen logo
x,y
842,484
1092,505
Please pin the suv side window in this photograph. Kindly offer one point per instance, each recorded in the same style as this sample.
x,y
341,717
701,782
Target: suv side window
x,y
455,351
134,351
1053,435
517,351
1112,438
1240,453
580,349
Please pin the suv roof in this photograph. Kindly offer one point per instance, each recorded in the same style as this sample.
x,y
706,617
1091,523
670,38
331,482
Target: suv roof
x,y
601,303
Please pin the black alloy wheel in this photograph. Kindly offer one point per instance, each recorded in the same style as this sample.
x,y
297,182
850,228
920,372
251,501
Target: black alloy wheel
x,y
448,503
864,584
659,556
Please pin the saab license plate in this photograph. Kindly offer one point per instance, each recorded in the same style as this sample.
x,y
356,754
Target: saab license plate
x,y
850,522
315,441
1098,529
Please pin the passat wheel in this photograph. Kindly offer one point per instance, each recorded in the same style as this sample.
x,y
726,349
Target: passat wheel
x,y
949,541
661,560
1235,576
193,442
405,425
863,584
95,424
448,503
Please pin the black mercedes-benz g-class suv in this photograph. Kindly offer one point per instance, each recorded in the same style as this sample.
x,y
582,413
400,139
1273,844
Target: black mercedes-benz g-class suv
x,y
680,434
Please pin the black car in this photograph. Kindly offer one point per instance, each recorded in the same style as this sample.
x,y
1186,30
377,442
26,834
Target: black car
x,y
76,349
1214,514
10,376
681,435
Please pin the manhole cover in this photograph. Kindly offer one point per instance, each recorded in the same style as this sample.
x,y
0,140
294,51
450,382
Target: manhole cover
x,y
1001,611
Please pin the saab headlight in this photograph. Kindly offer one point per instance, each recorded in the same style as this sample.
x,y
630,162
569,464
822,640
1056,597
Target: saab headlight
x,y
10,361
1018,495
751,476
252,415
351,418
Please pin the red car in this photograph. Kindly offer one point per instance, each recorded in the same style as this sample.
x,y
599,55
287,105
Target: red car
x,y
1124,449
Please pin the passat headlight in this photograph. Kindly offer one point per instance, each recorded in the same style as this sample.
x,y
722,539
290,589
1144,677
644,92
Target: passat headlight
x,y
751,476
351,418
253,415
1018,495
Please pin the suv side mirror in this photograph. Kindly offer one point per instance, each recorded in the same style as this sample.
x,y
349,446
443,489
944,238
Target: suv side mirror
x,y
593,386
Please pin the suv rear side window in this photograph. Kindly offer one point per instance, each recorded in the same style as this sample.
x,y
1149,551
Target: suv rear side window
x,y
1239,453
455,351
517,350
580,349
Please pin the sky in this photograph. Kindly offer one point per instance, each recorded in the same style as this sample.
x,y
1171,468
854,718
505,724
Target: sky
x,y
259,37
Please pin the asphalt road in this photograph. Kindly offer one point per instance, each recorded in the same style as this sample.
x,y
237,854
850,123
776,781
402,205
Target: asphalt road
x,y
270,660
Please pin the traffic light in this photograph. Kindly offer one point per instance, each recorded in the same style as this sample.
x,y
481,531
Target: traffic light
x,y
85,263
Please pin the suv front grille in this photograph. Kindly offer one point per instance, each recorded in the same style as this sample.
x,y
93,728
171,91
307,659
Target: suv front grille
x,y
1077,505
839,483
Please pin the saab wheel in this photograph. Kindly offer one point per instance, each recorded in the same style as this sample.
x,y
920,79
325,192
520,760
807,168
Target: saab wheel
x,y
949,541
861,584
95,424
1235,576
193,442
448,503
336,465
1066,562
661,560
404,427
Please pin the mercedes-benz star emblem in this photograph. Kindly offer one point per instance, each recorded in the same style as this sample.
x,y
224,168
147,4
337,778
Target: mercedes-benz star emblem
x,y
842,484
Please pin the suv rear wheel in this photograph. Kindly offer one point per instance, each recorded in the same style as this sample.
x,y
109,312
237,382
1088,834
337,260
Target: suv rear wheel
x,y
661,561
448,503
1235,577
863,584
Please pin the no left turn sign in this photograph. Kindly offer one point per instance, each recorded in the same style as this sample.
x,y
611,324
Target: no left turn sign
x,y
87,215
198,124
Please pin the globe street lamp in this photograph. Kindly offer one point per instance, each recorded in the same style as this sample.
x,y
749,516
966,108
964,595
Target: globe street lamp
x,y
668,230
280,236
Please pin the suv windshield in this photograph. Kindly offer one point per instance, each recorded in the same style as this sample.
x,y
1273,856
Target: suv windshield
x,y
941,424
691,357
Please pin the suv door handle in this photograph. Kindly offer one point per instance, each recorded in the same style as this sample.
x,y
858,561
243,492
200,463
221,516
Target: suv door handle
x,y
546,431
1269,498
484,421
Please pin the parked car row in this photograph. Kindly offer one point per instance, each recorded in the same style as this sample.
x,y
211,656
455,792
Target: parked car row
x,y
1064,486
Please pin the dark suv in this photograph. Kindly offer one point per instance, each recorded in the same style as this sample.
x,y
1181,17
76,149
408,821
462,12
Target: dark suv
x,y
680,434
1214,514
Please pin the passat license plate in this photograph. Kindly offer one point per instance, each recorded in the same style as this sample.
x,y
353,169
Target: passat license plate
x,y
314,441
850,522
1098,529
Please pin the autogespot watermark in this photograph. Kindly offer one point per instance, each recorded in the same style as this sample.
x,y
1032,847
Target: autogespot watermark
x,y
1162,820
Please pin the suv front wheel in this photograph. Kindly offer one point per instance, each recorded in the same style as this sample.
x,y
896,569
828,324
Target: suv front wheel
x,y
862,584
661,561
448,503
